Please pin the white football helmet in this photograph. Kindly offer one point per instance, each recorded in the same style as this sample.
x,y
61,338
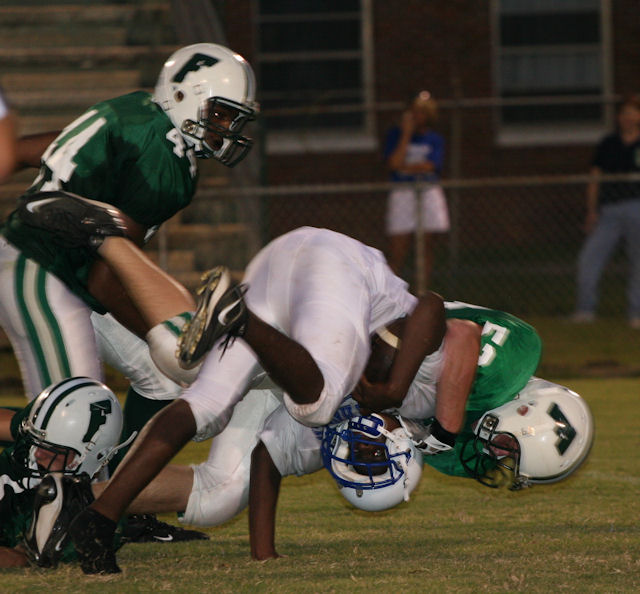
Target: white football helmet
x,y
194,84
79,418
542,436
375,468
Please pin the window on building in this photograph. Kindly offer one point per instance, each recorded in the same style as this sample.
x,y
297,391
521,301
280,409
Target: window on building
x,y
551,66
315,76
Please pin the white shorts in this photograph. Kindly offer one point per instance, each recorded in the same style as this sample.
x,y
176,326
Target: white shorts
x,y
402,215
326,291
221,483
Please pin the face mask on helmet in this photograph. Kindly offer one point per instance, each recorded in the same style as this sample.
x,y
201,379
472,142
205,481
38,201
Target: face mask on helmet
x,y
208,92
73,427
540,437
373,461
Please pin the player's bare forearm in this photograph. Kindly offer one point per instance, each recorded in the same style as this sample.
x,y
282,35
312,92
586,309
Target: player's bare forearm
x,y
423,334
264,488
8,147
31,148
12,558
5,424
461,352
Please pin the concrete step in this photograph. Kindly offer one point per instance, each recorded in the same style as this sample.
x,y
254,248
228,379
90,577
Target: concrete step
x,y
48,36
43,4
80,80
21,12
33,124
26,102
84,57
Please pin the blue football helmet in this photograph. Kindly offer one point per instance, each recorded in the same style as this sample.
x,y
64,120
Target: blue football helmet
x,y
373,461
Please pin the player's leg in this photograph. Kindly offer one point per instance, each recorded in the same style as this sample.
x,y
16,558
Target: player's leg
x,y
204,409
309,285
594,255
157,295
435,222
150,390
49,327
400,223
632,239
154,303
221,483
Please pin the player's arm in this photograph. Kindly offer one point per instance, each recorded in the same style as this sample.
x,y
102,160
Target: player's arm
x,y
5,424
8,148
264,488
107,288
12,558
423,335
31,148
591,215
461,352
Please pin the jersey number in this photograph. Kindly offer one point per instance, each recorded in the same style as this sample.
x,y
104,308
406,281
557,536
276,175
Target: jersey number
x,y
99,412
499,335
58,158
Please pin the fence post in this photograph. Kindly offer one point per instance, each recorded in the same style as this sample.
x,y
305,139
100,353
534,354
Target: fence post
x,y
421,281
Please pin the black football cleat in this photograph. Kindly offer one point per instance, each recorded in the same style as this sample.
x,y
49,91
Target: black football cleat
x,y
147,528
73,221
221,312
92,536
57,501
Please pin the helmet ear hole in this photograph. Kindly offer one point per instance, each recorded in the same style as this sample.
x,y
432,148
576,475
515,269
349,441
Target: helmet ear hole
x,y
179,96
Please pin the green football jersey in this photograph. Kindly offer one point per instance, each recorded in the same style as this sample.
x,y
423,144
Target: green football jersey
x,y
16,496
125,152
510,351
17,492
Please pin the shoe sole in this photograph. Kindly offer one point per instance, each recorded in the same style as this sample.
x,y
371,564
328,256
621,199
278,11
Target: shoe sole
x,y
213,287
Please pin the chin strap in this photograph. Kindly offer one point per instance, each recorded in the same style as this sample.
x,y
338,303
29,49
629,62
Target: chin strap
x,y
115,450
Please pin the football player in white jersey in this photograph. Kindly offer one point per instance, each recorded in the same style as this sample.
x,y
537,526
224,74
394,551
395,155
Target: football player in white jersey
x,y
313,298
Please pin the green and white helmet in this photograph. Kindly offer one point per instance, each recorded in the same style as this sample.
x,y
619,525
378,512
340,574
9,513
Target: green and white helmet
x,y
199,79
542,436
79,418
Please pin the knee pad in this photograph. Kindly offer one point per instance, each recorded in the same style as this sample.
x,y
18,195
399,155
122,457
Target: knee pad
x,y
163,340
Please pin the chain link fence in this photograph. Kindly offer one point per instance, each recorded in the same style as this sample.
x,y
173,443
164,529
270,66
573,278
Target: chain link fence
x,y
513,243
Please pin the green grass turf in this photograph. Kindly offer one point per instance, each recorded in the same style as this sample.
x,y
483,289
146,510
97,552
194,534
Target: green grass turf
x,y
581,535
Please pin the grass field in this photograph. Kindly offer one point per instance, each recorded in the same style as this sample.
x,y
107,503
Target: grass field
x,y
581,535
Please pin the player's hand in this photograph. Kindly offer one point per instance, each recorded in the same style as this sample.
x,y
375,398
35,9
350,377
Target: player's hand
x,y
373,396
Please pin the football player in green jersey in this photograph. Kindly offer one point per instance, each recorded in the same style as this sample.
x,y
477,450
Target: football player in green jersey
x,y
136,152
488,383
72,428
